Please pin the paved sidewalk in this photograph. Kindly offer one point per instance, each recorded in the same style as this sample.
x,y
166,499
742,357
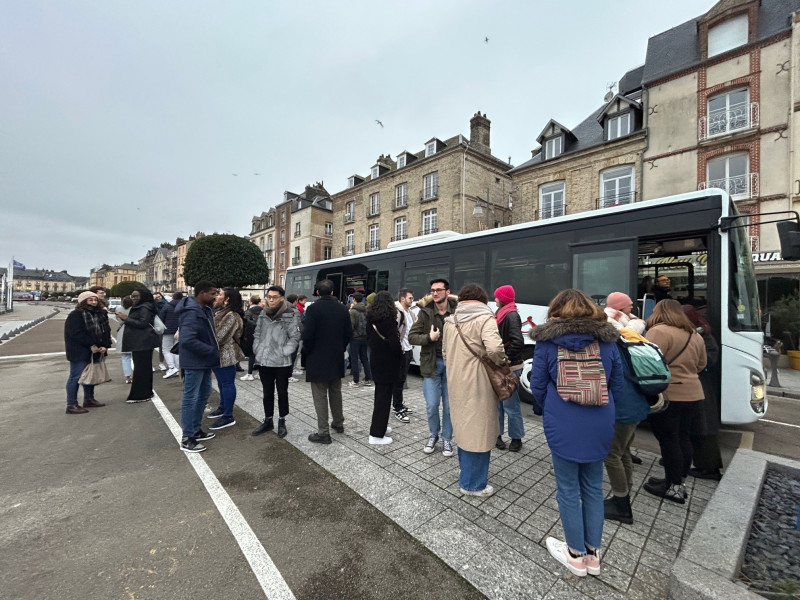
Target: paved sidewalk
x,y
24,313
497,544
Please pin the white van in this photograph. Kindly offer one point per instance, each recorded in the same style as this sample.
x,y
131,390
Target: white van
x,y
113,303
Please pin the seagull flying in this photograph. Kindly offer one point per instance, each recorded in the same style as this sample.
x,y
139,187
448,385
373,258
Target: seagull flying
x,y
378,122
486,40
235,174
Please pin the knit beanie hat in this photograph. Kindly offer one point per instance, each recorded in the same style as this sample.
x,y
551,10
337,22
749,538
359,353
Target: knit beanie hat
x,y
505,293
86,295
618,300
371,297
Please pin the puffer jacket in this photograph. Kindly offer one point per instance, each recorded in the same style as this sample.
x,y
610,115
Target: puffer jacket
x,y
510,329
421,329
277,336
229,327
198,341
622,321
139,332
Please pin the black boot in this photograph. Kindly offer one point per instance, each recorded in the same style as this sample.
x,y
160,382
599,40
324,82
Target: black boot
x,y
500,444
515,445
282,428
618,508
264,427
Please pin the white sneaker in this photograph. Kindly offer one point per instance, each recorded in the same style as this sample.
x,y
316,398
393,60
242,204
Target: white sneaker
x,y
293,380
248,377
559,551
170,373
447,448
388,430
298,372
162,367
353,384
380,441
484,493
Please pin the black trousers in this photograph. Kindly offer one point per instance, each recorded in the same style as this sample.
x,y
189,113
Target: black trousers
x,y
380,409
707,455
672,429
397,390
272,377
142,385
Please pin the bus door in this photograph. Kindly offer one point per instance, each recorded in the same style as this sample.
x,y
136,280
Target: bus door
x,y
599,268
377,281
336,278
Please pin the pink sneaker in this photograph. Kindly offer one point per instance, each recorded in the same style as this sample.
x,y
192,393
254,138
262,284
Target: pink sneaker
x,y
592,562
558,550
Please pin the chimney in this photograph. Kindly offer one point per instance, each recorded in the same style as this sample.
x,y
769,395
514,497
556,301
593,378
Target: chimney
x,y
479,126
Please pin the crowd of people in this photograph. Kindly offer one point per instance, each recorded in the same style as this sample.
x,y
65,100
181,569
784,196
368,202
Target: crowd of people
x,y
589,400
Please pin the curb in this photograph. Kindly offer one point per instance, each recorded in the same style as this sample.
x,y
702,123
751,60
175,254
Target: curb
x,y
25,326
782,392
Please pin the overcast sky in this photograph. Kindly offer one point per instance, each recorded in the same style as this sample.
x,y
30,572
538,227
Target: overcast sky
x,y
123,123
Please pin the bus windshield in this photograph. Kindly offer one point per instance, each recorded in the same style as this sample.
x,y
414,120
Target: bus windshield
x,y
743,309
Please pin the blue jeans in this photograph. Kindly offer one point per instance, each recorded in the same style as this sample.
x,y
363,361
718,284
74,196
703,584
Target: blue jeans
x,y
580,502
511,407
474,466
435,390
196,390
76,367
127,364
226,379
358,350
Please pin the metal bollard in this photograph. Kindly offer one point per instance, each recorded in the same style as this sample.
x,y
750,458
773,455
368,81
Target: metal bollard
x,y
773,355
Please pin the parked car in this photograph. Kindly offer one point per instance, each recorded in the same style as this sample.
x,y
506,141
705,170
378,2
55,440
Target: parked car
x,y
113,303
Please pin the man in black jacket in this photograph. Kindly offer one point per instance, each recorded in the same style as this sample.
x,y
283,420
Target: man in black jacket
x,y
509,325
326,334
170,320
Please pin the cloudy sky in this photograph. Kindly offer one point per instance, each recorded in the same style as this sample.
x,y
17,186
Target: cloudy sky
x,y
123,123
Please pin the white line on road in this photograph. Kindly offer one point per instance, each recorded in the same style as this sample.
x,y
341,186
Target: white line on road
x,y
266,572
32,355
779,423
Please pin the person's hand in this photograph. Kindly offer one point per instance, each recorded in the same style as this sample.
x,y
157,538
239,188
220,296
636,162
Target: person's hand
x,y
101,349
434,333
122,316
95,348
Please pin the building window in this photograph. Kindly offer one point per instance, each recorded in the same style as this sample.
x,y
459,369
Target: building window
x,y
351,182
430,186
429,222
269,261
282,262
297,230
401,195
430,149
349,212
283,236
374,204
728,112
376,172
730,173
327,253
269,242
349,242
553,147
400,230
328,228
401,161
616,187
283,218
374,242
727,35
551,200
619,126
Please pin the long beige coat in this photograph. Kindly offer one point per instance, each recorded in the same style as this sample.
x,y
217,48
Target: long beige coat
x,y
473,404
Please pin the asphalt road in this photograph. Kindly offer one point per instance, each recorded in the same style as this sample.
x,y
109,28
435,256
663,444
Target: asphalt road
x,y
105,505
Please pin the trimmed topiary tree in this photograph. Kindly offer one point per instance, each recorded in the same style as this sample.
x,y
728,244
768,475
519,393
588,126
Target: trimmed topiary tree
x,y
124,288
225,260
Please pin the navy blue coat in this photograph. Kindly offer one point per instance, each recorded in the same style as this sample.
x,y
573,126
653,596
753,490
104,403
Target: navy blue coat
x,y
168,317
630,404
197,341
326,334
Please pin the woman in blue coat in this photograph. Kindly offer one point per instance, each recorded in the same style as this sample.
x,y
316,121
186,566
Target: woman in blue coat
x,y
579,435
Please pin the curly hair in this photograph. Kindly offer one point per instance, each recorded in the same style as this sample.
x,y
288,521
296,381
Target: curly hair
x,y
381,308
574,304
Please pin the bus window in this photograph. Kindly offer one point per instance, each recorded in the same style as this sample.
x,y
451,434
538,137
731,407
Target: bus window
x,y
602,268
418,277
382,281
300,283
537,268
470,267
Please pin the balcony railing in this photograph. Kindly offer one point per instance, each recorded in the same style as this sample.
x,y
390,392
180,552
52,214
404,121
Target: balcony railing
x,y
615,200
740,187
429,193
400,236
349,218
400,202
743,116
428,230
295,261
374,211
348,250
371,246
551,211
297,234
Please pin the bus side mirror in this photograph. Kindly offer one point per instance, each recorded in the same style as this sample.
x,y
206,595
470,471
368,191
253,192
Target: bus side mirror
x,y
789,234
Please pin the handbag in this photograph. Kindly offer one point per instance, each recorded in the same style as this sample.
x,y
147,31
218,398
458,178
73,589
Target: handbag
x,y
502,378
95,373
175,349
158,326
660,403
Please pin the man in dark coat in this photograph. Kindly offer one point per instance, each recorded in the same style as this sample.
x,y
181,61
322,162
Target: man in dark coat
x,y
326,334
167,315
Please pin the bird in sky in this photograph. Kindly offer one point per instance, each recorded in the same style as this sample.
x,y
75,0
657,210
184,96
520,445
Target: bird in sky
x,y
486,40
235,175
256,173
378,122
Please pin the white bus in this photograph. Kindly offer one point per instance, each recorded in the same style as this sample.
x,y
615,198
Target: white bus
x,y
698,239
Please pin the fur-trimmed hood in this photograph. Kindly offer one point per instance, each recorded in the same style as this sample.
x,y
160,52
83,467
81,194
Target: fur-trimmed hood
x,y
428,298
574,334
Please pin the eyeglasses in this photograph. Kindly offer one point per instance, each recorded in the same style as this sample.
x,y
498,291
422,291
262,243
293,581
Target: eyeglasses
x,y
435,290
273,297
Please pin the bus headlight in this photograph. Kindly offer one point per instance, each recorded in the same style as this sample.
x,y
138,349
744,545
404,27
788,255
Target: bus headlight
x,y
757,396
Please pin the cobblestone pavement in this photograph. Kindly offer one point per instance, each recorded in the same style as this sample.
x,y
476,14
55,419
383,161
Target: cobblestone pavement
x,y
498,543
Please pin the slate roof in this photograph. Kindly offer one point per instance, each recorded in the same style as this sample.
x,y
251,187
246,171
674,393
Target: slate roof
x,y
679,48
42,274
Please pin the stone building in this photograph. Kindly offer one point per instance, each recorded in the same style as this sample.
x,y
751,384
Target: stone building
x,y
418,193
181,247
108,276
262,234
43,281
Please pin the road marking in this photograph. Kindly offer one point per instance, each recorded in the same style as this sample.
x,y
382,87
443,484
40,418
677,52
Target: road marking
x,y
746,441
264,569
779,423
32,355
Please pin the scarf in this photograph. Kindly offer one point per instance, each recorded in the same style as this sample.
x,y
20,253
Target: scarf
x,y
94,324
504,310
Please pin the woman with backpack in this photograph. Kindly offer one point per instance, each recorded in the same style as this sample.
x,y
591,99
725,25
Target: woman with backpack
x,y
685,352
576,376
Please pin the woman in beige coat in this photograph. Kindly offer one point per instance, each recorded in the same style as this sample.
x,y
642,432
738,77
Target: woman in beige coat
x,y
473,403
684,349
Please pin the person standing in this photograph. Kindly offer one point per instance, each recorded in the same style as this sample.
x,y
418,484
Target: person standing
x,y
326,334
250,322
386,352
579,435
228,324
405,319
509,325
123,309
140,338
618,312
661,289
199,354
427,333
473,328
276,339
358,344
170,320
160,302
292,300
685,352
87,336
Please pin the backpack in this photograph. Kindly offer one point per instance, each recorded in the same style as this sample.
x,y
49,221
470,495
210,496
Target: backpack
x,y
649,370
248,333
581,376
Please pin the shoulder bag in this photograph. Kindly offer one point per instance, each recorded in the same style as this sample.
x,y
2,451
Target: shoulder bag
x,y
95,372
502,378
158,326
661,402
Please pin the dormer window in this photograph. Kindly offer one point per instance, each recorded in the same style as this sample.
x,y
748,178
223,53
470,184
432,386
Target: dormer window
x,y
618,126
351,182
430,149
401,161
376,172
727,35
553,147
354,180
